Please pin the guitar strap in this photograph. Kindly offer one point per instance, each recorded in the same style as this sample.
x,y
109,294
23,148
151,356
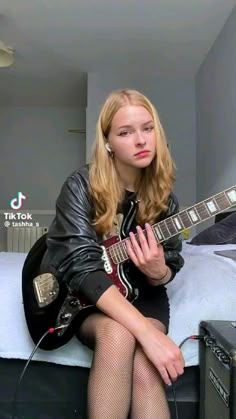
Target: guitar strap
x,y
129,219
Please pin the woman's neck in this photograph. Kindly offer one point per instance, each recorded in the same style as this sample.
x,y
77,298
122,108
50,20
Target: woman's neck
x,y
128,175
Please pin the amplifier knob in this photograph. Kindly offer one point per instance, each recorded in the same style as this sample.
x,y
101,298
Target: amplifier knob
x,y
224,358
209,341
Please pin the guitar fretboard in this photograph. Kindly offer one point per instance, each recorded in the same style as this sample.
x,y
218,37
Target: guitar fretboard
x,y
175,224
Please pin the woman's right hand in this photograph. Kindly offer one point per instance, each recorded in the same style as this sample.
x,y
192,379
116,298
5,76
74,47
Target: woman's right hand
x,y
163,353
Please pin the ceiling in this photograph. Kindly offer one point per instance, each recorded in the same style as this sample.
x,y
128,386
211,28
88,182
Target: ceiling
x,y
57,42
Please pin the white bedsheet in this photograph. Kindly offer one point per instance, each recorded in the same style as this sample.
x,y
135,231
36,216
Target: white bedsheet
x,y
204,289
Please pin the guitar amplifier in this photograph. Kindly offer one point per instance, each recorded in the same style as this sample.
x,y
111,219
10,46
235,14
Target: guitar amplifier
x,y
218,370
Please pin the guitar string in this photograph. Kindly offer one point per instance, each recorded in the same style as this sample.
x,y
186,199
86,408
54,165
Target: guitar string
x,y
122,254
201,207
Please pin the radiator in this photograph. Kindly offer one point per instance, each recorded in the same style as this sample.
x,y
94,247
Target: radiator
x,y
21,239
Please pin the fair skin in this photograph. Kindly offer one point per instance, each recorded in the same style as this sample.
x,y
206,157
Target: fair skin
x,y
131,133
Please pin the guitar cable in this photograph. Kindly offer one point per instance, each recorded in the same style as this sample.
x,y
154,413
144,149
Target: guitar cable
x,y
52,330
191,337
49,331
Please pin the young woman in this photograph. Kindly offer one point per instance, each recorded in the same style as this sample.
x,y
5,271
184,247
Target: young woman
x,y
131,173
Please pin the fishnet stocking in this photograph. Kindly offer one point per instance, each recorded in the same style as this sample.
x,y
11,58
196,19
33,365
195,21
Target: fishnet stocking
x,y
120,372
148,396
110,379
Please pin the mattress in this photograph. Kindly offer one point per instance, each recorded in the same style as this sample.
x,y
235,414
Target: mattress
x,y
204,289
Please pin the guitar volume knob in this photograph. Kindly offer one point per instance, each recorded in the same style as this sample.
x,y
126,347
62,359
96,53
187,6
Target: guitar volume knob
x,y
65,317
74,302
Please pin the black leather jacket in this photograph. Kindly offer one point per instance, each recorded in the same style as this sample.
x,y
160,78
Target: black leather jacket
x,y
73,252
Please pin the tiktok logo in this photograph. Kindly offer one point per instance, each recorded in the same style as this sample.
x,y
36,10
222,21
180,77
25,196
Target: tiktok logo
x,y
17,203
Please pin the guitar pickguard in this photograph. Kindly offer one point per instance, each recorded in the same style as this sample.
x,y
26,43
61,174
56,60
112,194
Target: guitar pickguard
x,y
70,308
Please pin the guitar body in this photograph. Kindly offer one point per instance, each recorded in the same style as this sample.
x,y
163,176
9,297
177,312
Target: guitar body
x,y
65,305
39,320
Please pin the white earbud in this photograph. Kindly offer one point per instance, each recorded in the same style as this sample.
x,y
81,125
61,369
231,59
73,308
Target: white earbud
x,y
108,148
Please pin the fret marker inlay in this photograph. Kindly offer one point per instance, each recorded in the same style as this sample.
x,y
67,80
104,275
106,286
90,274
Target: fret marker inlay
x,y
232,196
211,206
178,225
193,215
159,235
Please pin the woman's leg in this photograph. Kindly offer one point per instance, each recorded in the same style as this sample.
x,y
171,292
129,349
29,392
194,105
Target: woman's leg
x,y
148,395
110,378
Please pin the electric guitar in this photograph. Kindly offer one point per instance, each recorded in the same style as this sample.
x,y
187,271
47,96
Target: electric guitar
x,y
48,303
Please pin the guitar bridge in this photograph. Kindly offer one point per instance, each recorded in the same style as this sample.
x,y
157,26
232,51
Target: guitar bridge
x,y
46,289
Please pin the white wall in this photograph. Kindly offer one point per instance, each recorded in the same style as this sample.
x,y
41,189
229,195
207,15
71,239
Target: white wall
x,y
175,101
37,153
216,114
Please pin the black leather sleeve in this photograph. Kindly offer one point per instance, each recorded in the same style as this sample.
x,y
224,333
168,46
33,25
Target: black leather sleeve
x,y
73,253
173,246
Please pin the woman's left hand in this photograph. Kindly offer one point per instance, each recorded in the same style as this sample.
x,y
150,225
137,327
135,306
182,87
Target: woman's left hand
x,y
146,253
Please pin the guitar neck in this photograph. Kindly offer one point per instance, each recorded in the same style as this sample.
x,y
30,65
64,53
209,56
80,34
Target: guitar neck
x,y
177,223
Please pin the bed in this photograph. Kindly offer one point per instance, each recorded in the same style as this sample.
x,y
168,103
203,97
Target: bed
x,y
54,386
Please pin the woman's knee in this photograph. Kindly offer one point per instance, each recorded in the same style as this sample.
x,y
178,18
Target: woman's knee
x,y
115,335
145,374
158,324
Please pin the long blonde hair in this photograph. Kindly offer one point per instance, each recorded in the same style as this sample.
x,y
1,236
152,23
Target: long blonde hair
x,y
156,181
